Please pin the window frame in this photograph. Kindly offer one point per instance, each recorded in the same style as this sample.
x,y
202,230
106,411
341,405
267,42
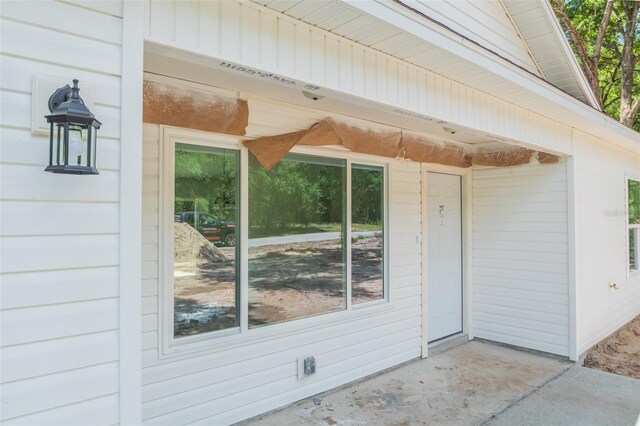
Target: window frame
x,y
215,341
168,140
628,227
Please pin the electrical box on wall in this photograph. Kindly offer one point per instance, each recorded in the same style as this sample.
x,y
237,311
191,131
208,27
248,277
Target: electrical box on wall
x,y
306,366
309,366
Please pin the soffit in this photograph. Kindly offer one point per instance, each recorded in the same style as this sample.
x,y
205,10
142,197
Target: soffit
x,y
546,42
398,31
355,24
158,65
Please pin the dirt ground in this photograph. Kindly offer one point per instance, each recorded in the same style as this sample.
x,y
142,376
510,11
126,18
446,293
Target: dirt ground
x,y
286,281
619,353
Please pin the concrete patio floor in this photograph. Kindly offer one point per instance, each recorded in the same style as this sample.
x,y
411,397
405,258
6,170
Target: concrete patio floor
x,y
466,385
580,397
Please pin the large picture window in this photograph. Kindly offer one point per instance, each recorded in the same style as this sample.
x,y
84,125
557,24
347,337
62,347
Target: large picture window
x,y
312,240
634,225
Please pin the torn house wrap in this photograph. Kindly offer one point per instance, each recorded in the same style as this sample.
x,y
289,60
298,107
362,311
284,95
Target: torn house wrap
x,y
189,108
391,144
183,107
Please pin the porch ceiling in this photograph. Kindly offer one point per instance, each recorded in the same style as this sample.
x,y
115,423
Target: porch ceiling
x,y
357,25
165,62
333,123
397,30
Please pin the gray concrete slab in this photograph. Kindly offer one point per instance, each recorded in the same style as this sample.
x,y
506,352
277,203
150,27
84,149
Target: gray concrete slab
x,y
462,386
579,397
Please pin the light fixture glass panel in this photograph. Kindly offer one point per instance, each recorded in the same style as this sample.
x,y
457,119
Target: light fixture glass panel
x,y
77,145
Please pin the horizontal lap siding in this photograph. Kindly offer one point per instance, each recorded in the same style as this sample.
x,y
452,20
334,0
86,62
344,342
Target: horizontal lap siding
x,y
254,376
260,38
60,242
601,240
520,256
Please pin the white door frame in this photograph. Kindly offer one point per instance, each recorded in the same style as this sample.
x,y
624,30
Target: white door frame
x,y
467,266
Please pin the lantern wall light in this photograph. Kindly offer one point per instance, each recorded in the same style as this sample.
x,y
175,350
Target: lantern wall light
x,y
73,133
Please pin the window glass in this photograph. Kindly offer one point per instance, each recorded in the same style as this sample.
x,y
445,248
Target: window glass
x,y
296,238
633,248
367,233
634,202
205,234
634,225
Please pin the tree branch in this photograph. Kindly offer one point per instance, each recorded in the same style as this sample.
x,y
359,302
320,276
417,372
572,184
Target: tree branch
x,y
611,102
619,21
586,62
628,108
601,31
634,109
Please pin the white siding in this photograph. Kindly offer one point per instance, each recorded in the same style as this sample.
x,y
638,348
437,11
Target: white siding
x,y
520,256
266,40
601,240
222,386
59,233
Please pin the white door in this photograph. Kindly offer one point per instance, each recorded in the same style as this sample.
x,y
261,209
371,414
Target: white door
x,y
444,255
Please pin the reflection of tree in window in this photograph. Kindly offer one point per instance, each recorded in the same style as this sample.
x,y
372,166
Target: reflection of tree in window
x,y
206,183
634,224
205,284
296,226
367,238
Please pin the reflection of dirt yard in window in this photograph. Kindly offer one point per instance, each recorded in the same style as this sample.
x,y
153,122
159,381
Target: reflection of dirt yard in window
x,y
288,281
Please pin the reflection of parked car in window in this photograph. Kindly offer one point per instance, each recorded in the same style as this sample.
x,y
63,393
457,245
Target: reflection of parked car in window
x,y
213,229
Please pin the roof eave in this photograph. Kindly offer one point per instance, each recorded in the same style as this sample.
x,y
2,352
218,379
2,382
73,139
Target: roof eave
x,y
568,51
586,117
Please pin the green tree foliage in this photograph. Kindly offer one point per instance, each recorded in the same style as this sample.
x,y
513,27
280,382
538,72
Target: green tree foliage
x,y
367,195
295,192
206,181
606,39
634,202
298,191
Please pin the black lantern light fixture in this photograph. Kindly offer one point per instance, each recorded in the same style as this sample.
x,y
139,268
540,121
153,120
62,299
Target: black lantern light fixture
x,y
73,133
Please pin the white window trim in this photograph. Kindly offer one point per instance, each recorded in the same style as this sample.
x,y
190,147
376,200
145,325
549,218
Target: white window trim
x,y
215,341
635,272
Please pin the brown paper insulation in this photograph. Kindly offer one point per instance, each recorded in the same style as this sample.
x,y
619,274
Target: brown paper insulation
x,y
364,141
271,149
545,158
513,156
321,134
182,107
424,151
392,144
